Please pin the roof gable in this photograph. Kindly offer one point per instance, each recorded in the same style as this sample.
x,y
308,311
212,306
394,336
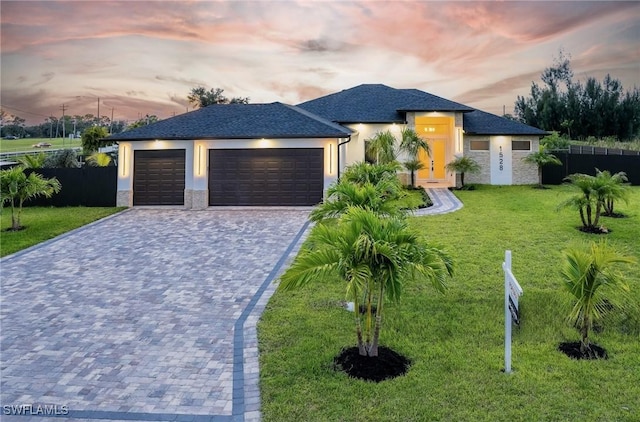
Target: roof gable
x,y
239,121
377,103
482,123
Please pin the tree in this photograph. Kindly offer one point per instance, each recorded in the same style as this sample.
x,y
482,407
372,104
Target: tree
x,y
32,161
463,165
65,158
540,159
588,275
577,109
369,186
381,146
201,97
94,138
16,187
376,257
147,120
99,159
412,144
585,201
613,190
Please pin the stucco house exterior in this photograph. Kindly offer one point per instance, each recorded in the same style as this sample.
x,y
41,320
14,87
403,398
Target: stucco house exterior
x,y
278,154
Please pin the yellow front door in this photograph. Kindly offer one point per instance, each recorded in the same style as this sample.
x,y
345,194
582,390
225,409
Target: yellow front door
x,y
437,131
434,164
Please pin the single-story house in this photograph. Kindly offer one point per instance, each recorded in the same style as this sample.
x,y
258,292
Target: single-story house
x,y
278,154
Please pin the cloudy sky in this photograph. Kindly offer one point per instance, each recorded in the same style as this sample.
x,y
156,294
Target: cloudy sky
x,y
143,57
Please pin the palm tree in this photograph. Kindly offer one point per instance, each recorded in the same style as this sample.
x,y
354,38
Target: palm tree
x,y
16,187
587,274
382,147
412,144
375,257
586,202
99,159
371,186
32,161
463,165
616,190
540,159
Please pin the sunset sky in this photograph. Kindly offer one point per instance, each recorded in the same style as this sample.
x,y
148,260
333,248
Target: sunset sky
x,y
143,57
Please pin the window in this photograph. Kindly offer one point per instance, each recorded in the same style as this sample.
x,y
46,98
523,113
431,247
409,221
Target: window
x,y
521,145
479,145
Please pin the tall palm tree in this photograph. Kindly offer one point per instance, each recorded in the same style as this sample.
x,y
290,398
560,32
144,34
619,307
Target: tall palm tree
x,y
375,257
16,187
540,159
382,146
587,275
463,165
411,144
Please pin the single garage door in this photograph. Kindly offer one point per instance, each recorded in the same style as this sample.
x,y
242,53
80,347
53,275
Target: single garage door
x,y
158,177
266,177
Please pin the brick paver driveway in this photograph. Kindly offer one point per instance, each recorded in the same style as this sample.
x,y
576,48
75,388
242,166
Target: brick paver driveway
x,y
147,315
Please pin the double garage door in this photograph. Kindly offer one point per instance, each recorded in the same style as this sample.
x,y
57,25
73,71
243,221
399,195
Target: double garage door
x,y
259,177
266,177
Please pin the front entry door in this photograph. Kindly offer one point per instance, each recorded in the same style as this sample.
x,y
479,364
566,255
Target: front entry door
x,y
433,170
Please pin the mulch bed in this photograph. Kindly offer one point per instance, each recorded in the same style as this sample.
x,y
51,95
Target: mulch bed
x,y
572,349
594,230
387,365
615,215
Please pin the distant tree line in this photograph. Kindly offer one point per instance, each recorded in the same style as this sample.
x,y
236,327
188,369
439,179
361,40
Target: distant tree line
x,y
579,110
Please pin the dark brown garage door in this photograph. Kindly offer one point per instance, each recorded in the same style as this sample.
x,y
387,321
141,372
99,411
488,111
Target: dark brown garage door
x,y
266,177
158,177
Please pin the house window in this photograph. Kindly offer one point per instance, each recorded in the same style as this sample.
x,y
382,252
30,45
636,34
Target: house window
x,y
521,145
479,145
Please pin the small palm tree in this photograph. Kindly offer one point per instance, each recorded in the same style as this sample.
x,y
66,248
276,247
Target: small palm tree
x,y
99,159
32,161
586,202
540,159
616,189
382,147
375,257
16,187
463,165
587,275
412,144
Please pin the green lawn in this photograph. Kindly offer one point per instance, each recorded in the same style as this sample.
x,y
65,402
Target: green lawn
x,y
26,144
456,340
43,223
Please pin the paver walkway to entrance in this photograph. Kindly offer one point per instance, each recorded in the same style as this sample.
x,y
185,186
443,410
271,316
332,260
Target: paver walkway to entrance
x,y
444,201
146,315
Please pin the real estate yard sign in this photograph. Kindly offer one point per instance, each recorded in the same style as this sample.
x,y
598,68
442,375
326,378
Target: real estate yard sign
x,y
512,291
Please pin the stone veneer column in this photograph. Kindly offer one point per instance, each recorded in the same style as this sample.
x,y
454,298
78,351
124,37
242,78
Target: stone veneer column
x,y
199,199
124,198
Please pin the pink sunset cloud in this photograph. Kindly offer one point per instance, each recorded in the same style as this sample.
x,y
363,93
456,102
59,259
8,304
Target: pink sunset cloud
x,y
143,57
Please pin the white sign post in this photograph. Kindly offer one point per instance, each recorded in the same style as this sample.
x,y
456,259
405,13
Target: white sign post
x,y
512,291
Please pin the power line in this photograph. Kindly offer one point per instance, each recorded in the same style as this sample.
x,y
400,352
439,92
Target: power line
x,y
22,111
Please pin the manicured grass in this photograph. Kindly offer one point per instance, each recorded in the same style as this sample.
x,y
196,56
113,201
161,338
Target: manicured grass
x,y
456,340
43,223
26,144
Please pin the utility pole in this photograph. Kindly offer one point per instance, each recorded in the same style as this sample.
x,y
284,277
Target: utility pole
x,y
64,107
111,122
99,120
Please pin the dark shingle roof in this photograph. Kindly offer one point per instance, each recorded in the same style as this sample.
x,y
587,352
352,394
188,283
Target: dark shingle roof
x,y
483,123
376,103
239,121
